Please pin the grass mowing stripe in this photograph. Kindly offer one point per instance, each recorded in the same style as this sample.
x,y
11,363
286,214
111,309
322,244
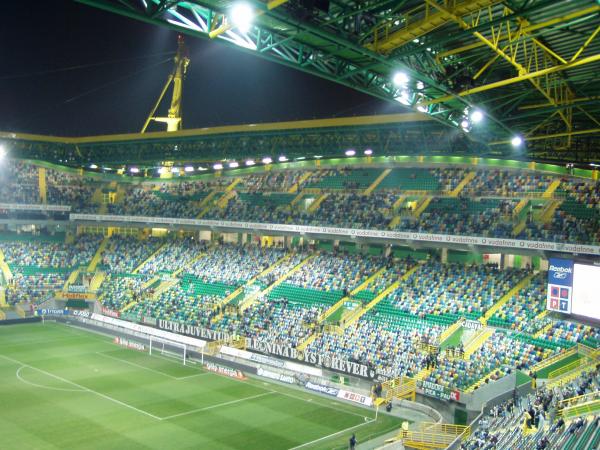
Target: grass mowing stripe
x,y
16,361
218,405
41,386
124,361
333,434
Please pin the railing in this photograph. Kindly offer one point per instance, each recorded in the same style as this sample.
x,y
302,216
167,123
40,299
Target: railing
x,y
580,410
548,362
569,402
566,369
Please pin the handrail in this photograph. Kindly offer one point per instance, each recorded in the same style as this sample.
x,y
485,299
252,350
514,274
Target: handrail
x,y
555,358
577,399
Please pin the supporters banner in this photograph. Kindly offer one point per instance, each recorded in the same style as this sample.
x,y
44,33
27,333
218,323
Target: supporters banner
x,y
194,331
437,391
313,358
560,285
333,231
22,207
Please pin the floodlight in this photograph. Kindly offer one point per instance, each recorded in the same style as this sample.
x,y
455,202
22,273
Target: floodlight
x,y
267,160
476,116
282,158
368,152
134,170
250,162
400,78
233,164
516,141
188,169
242,16
162,170
464,124
202,169
218,166
420,85
92,166
350,152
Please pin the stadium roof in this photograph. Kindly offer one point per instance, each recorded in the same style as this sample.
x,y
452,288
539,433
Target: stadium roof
x,y
531,65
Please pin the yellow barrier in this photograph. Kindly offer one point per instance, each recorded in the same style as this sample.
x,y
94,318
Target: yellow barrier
x,y
580,410
548,362
568,402
566,369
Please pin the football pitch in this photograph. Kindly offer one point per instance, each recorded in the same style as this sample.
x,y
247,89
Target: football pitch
x,y
65,388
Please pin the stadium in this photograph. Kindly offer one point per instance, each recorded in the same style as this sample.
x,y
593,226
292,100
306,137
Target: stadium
x,y
417,273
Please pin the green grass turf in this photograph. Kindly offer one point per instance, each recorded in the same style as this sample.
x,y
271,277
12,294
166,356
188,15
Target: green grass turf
x,y
64,388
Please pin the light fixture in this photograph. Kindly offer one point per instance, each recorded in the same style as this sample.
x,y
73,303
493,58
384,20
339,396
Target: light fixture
x,y
368,152
162,170
233,164
422,108
92,166
318,156
476,116
218,166
420,85
174,169
250,162
300,158
282,158
464,124
400,79
404,97
242,16
201,168
516,141
267,160
134,170
188,169
350,152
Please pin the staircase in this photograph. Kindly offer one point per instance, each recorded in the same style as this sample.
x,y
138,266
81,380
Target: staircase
x,y
6,272
505,298
296,187
98,255
343,300
394,223
422,206
206,204
251,281
160,249
478,340
297,198
97,281
518,228
551,189
548,212
359,312
466,180
189,264
222,202
72,279
315,205
375,183
249,301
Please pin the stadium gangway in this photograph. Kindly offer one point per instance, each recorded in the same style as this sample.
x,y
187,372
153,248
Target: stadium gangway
x,y
433,435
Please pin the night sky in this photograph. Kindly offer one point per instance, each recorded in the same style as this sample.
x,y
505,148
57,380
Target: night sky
x,y
125,67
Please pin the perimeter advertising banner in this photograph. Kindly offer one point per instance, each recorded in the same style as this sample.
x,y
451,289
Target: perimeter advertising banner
x,y
560,285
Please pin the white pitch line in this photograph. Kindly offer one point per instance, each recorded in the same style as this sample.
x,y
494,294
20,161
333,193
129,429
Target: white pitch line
x,y
218,405
332,434
136,365
41,386
310,400
99,394
193,376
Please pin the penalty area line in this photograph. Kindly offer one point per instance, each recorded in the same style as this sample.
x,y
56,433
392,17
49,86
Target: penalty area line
x,y
333,434
218,405
83,388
